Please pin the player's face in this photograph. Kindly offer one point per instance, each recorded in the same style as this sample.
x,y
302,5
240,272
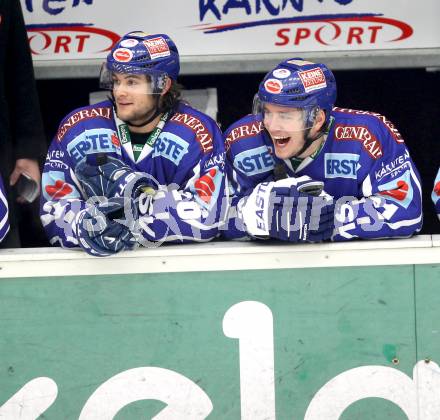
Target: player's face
x,y
132,93
286,127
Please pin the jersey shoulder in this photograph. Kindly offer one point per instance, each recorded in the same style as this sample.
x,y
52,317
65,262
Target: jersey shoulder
x,y
195,128
364,130
249,127
373,121
186,108
90,116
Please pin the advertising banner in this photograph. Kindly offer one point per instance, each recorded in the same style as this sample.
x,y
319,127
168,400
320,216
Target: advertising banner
x,y
314,343
86,29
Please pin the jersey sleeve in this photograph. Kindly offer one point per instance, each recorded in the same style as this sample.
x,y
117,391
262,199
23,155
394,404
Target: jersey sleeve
x,y
248,163
194,206
436,194
390,204
62,197
4,216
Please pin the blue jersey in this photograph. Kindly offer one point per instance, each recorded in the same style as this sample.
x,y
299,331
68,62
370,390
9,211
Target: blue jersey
x,y
188,155
436,194
363,163
4,220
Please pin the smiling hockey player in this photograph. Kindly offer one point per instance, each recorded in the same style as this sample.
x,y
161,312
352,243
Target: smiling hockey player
x,y
142,167
304,171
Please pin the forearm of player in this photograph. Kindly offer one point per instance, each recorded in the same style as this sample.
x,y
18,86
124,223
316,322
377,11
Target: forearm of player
x,y
375,217
176,216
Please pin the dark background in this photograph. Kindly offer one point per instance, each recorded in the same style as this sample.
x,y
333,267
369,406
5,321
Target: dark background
x,y
407,97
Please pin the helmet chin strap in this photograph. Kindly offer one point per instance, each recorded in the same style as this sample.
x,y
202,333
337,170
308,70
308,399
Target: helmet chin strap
x,y
157,111
308,141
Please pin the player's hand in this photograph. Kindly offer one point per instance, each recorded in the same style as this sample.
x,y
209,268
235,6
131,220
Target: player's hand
x,y
109,178
106,228
292,209
29,167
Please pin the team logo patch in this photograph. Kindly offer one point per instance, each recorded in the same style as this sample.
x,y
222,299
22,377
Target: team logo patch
x,y
398,190
312,79
100,140
171,147
281,73
58,189
254,161
123,55
55,186
157,47
273,86
207,187
129,43
341,165
115,141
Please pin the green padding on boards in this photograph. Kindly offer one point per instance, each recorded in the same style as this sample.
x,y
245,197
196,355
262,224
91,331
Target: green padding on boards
x,y
82,331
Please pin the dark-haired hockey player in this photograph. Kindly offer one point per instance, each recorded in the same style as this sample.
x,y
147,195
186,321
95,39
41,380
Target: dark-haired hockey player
x,y
142,167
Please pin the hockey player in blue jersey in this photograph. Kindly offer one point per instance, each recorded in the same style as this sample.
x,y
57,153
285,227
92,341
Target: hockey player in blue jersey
x,y
436,194
141,168
302,170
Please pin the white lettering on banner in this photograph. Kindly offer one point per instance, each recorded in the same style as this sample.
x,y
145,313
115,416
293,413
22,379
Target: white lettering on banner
x,y
185,400
252,324
32,400
418,398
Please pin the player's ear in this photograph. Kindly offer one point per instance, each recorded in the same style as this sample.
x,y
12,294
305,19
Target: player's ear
x,y
319,120
167,87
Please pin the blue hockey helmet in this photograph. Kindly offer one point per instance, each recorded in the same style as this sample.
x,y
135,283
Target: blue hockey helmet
x,y
139,53
297,83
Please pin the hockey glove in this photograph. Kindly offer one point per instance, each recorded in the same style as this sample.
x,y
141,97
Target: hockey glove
x,y
292,209
106,228
110,177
